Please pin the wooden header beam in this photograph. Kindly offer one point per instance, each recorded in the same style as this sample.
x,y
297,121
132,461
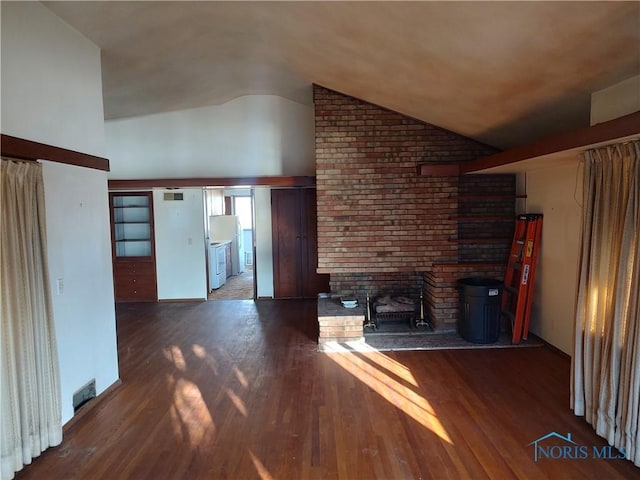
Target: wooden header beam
x,y
279,181
21,148
584,138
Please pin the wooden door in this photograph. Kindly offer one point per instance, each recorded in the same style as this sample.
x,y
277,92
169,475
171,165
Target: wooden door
x,y
285,225
295,251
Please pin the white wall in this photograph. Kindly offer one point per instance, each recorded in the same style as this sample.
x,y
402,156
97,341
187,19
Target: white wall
x,y
556,192
52,93
51,80
616,101
79,252
255,135
180,245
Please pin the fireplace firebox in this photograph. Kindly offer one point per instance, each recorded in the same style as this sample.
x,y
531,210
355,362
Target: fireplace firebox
x,y
398,310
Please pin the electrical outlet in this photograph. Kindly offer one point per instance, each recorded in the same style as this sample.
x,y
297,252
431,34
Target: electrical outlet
x,y
60,285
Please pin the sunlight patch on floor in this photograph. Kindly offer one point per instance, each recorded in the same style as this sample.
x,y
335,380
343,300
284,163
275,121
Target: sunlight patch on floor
x,y
175,356
237,401
190,415
201,352
240,376
402,397
389,364
260,468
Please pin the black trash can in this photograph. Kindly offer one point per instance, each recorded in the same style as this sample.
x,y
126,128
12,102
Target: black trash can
x,y
480,303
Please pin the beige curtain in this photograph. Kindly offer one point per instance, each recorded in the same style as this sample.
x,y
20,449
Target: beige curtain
x,y
30,413
606,360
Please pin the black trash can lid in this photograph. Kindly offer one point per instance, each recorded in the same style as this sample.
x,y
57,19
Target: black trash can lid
x,y
479,282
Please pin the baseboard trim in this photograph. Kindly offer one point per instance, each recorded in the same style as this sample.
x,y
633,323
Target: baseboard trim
x,y
179,300
91,405
555,349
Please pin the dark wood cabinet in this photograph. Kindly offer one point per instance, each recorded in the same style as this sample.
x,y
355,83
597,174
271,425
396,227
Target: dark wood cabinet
x,y
132,240
295,244
134,281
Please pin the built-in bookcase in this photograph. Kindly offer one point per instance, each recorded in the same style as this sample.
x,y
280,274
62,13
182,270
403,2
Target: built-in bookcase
x,y
132,225
132,236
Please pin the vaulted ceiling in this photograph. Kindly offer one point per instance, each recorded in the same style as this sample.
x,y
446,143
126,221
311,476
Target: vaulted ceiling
x,y
504,73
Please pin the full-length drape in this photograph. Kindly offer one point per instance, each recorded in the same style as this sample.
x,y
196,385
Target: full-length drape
x,y
606,361
30,413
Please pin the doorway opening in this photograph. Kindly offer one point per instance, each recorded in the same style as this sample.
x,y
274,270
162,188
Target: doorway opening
x,y
230,226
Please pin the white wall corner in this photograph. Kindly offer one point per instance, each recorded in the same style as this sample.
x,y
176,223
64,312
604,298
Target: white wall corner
x,y
616,101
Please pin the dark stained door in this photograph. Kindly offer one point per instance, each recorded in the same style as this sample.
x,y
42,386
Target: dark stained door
x,y
285,225
295,244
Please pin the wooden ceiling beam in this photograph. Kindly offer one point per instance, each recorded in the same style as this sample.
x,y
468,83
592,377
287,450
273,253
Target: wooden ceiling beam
x,y
583,138
275,181
14,147
624,127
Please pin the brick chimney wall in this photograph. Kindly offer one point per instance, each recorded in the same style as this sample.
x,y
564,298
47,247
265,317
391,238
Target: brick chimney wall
x,y
375,213
381,226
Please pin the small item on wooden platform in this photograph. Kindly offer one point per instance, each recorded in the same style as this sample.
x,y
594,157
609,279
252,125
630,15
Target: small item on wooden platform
x,y
349,302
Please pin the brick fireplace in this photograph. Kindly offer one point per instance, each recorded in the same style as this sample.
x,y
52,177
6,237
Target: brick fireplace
x,y
385,229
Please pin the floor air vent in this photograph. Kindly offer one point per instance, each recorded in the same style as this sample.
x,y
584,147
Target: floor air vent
x,y
84,395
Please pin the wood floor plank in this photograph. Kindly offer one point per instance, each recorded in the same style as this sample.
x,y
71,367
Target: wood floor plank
x,y
237,390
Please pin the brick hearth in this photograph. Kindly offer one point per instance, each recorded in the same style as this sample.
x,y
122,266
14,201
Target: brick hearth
x,y
339,324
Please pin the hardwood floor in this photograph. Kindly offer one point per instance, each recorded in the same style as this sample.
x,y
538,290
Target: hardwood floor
x,y
237,287
236,389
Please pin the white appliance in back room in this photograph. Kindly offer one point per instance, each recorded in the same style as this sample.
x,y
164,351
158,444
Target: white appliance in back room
x,y
217,265
227,227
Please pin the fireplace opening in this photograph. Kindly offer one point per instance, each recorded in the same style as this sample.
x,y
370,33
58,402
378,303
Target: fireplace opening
x,y
390,302
401,314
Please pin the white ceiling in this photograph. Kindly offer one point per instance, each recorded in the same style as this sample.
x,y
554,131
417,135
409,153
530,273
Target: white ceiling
x,y
504,73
